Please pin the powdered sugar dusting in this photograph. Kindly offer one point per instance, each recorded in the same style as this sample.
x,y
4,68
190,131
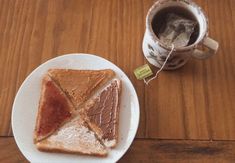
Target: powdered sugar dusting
x,y
75,136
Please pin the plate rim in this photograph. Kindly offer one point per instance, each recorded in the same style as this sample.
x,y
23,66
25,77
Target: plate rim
x,y
132,137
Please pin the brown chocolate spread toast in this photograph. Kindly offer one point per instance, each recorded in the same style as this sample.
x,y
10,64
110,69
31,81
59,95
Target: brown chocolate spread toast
x,y
102,113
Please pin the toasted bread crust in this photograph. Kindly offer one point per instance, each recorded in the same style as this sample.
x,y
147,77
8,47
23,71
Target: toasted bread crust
x,y
61,150
118,112
37,138
113,143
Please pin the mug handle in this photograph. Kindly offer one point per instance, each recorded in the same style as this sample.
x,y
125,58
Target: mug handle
x,y
212,47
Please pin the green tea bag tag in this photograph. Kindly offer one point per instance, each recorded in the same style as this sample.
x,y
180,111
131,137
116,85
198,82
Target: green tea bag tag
x,y
143,72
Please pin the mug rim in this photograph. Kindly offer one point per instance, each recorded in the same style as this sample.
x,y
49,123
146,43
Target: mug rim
x,y
157,40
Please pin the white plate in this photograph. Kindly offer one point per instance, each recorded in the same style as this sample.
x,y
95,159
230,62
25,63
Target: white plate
x,y
26,104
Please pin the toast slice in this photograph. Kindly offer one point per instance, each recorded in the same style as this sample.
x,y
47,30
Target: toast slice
x,y
102,113
79,85
54,109
73,137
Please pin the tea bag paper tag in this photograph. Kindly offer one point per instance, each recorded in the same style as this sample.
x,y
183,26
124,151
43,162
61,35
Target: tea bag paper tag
x,y
143,72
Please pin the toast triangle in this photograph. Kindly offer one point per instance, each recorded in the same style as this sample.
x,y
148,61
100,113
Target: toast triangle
x,y
73,137
102,113
79,85
53,111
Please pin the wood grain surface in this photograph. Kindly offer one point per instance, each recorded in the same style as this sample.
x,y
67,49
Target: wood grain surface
x,y
194,102
152,151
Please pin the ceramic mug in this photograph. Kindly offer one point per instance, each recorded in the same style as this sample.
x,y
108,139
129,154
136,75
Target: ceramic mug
x,y
156,51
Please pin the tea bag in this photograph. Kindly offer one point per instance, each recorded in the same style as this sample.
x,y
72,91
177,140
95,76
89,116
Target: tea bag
x,y
177,30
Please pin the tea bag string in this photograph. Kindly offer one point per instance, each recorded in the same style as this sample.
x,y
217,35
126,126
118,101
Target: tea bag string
x,y
168,56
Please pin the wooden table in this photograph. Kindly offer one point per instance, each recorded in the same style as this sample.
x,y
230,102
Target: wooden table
x,y
186,115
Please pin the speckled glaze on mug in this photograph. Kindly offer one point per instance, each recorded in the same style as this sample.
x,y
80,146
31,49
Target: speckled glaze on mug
x,y
156,51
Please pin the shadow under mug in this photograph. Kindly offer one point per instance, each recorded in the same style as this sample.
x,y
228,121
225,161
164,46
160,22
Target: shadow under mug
x,y
156,51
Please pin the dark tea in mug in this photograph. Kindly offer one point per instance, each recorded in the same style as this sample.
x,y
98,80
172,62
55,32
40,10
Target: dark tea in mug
x,y
159,21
